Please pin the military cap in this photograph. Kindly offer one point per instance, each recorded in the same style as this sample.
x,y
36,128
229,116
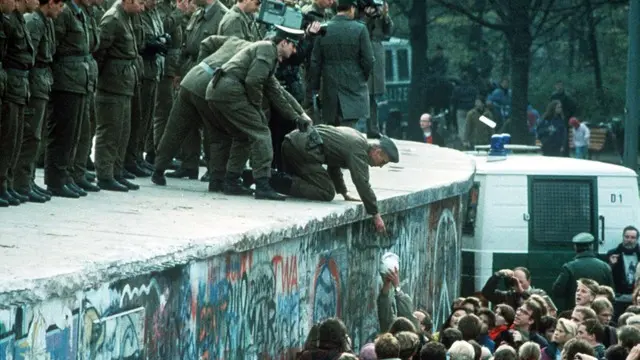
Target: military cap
x,y
583,238
389,147
289,34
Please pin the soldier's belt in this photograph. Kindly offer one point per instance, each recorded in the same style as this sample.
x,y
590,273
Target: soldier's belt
x,y
73,58
17,72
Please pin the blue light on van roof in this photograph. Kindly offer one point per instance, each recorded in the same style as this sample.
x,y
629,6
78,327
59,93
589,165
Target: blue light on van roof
x,y
497,149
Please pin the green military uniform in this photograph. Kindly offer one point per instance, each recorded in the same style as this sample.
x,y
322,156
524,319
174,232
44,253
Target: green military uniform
x,y
239,24
17,62
203,23
132,155
585,265
380,29
117,57
316,13
87,130
71,85
190,108
343,59
305,153
172,23
4,140
237,99
40,81
152,72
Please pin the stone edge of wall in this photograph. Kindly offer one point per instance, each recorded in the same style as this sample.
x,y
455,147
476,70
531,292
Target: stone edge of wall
x,y
69,284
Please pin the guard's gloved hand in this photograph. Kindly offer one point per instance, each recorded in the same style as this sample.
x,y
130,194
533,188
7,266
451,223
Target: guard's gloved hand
x,y
303,122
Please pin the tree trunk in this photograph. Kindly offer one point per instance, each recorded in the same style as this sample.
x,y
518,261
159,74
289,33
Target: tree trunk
x,y
419,63
595,58
520,42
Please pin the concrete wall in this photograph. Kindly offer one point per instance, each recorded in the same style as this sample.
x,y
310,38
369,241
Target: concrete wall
x,y
255,304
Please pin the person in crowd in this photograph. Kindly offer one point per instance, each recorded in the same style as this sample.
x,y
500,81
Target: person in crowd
x,y
576,346
582,313
476,132
409,344
529,351
433,351
505,316
431,136
518,281
568,105
547,327
501,100
581,137
552,130
472,304
488,319
586,292
393,302
448,336
464,99
623,260
592,332
628,336
461,350
606,292
505,352
603,309
387,347
584,265
565,331
368,352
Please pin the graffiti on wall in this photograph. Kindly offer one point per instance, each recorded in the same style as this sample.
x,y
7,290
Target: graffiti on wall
x,y
258,304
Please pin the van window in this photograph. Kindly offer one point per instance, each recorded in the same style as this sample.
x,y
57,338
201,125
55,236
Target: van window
x,y
469,225
388,71
560,208
403,65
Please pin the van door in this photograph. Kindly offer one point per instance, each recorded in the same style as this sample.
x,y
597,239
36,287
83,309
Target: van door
x,y
559,208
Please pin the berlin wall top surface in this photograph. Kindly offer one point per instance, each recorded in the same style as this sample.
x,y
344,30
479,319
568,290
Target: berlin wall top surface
x,y
65,245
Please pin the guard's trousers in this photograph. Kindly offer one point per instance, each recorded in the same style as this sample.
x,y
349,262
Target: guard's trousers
x,y
31,139
112,133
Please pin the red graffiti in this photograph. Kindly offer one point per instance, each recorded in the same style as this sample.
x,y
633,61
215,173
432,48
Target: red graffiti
x,y
238,265
289,273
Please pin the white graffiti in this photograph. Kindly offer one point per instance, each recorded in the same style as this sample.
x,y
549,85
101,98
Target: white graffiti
x,y
130,293
446,236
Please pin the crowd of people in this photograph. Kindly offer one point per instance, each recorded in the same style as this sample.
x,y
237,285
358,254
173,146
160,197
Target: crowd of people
x,y
597,322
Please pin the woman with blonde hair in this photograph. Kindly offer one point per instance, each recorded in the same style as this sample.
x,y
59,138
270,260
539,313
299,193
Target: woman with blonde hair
x,y
565,331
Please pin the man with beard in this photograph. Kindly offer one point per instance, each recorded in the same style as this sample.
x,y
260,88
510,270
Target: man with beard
x,y
623,261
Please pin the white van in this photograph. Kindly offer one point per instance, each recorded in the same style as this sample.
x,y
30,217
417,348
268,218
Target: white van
x,y
524,209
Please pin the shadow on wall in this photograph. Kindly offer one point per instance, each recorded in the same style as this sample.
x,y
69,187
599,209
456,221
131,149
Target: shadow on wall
x,y
250,305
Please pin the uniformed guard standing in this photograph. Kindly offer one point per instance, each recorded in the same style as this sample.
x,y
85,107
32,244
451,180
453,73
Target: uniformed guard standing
x,y
6,7
153,56
343,59
17,63
172,23
85,139
380,26
305,153
237,98
202,24
116,57
585,265
43,40
319,11
71,84
239,21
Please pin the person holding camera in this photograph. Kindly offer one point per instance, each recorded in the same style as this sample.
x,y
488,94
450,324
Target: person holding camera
x,y
518,282
343,60
380,26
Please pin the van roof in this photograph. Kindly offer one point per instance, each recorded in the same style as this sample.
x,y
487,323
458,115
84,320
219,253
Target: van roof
x,y
394,41
544,165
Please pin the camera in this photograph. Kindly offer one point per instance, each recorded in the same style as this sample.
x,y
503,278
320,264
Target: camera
x,y
274,12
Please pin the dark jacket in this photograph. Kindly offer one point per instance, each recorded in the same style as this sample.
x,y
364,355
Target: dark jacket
x,y
552,134
549,352
510,297
618,270
584,265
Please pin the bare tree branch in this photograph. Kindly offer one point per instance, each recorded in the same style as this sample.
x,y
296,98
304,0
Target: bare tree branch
x,y
473,17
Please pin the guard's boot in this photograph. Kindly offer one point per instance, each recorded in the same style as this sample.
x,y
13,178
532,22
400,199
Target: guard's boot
x,y
32,195
181,173
138,171
63,191
158,177
216,185
75,188
265,191
247,177
281,182
39,189
127,175
91,177
85,185
128,184
4,203
90,165
38,192
21,198
9,199
206,177
233,185
111,185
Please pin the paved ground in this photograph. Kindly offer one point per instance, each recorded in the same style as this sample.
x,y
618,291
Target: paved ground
x,y
81,239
